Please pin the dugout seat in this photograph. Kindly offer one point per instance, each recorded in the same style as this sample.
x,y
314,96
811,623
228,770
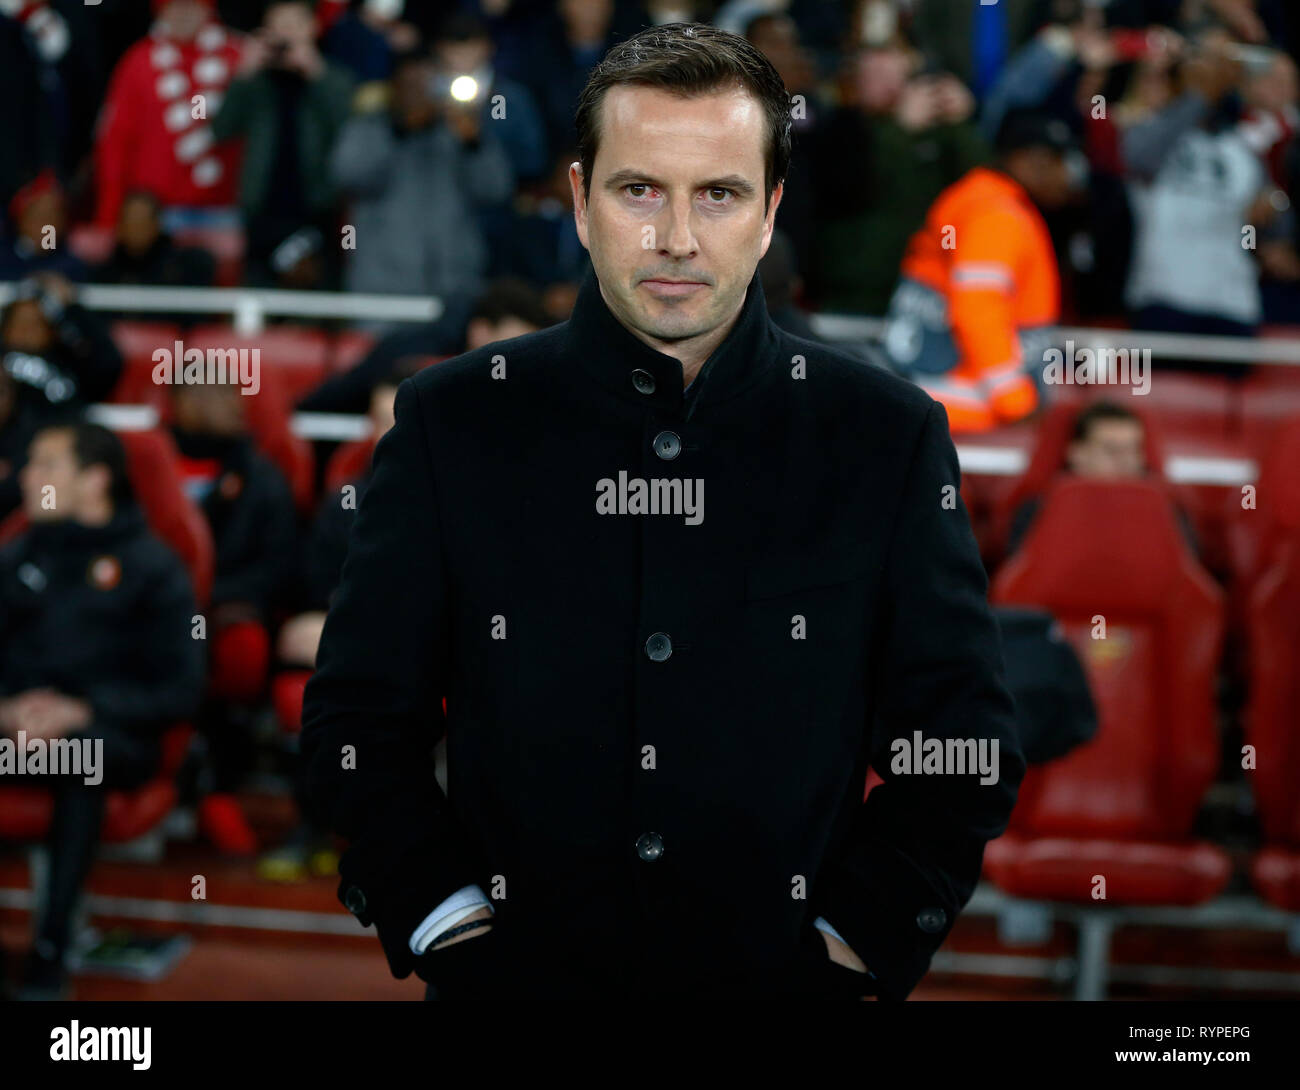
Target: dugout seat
x,y
151,464
1123,804
1273,725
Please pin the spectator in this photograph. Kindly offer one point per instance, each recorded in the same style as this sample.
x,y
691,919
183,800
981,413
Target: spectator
x,y
415,175
980,282
543,245
1195,184
58,353
154,130
508,308
1108,443
144,254
365,39
973,39
249,508
37,239
777,37
288,104
878,163
28,130
565,49
95,627
463,47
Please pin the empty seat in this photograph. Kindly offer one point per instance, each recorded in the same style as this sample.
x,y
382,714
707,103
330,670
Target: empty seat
x,y
1122,805
1273,725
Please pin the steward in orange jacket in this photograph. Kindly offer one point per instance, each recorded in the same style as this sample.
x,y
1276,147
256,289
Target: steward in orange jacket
x,y
979,284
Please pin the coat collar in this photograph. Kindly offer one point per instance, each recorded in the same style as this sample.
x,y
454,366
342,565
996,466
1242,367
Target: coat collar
x,y
612,355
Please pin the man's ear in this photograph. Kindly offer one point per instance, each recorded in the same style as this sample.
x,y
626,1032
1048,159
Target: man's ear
x,y
769,218
579,202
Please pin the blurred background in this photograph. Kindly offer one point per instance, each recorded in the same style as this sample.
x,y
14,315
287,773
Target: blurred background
x,y
362,188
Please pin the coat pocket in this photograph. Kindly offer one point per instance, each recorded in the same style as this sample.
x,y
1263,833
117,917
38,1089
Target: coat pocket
x,y
788,571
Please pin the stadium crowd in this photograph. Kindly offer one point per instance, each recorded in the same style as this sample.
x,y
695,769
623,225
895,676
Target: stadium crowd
x,y
1130,164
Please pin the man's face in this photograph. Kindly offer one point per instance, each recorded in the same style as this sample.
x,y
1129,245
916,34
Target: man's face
x,y
27,329
137,225
52,460
675,223
184,18
44,211
1112,450
292,23
209,409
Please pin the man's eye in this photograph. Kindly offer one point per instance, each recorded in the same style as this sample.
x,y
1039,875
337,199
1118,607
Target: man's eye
x,y
715,191
637,185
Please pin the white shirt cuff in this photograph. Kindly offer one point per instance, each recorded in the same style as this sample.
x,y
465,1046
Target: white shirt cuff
x,y
821,924
462,903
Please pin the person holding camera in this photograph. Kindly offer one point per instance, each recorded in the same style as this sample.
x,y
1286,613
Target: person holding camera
x,y
416,175
289,104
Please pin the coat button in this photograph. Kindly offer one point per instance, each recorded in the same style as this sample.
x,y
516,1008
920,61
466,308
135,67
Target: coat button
x,y
644,381
668,444
354,900
931,920
659,647
649,846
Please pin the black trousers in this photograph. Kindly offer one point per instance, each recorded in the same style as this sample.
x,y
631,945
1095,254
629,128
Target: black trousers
x,y
128,760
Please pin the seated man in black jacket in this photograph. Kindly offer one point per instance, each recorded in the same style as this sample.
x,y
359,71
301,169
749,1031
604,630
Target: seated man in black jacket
x,y
249,508
97,657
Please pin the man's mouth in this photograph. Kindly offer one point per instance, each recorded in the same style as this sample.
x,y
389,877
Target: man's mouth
x,y
673,288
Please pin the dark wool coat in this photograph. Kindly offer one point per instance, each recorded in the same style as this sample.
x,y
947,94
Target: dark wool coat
x,y
659,724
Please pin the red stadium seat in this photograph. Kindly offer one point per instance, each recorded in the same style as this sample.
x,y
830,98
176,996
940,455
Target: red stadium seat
x,y
1184,405
25,812
1048,460
299,356
348,349
1273,725
348,462
286,696
241,659
138,341
225,244
1123,804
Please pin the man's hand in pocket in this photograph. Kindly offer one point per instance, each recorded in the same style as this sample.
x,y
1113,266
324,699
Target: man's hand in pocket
x,y
842,954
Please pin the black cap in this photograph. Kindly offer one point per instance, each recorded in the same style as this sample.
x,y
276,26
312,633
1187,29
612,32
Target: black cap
x,y
1034,129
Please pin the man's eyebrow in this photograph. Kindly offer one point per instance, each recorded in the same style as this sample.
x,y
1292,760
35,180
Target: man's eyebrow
x,y
627,176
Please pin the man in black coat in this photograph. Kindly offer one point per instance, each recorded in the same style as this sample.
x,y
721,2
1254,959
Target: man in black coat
x,y
680,577
95,646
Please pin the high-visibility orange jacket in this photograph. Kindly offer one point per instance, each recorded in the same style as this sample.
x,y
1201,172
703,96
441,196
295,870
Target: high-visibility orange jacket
x,y
978,279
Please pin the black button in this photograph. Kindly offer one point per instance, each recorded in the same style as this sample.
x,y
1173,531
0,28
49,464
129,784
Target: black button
x,y
644,381
649,846
931,920
668,444
659,647
354,900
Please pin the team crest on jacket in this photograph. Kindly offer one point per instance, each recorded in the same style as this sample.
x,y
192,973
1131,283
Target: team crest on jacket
x,y
105,572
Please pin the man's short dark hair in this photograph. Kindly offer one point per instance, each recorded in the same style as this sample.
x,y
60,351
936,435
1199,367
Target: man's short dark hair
x,y
1100,410
688,59
509,297
95,445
